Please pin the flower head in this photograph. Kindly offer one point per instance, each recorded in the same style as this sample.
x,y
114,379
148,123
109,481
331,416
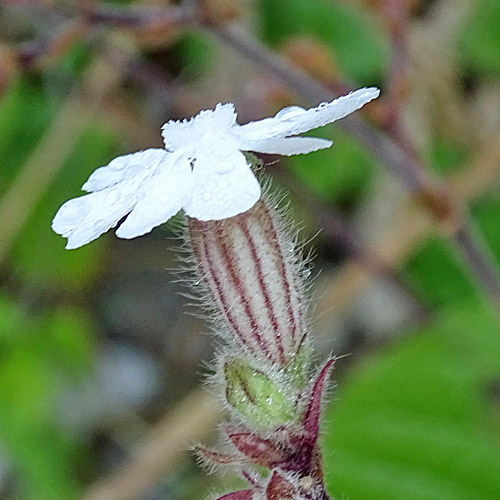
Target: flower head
x,y
201,170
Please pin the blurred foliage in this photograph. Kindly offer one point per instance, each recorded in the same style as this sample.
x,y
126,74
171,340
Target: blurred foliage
x,y
353,37
479,43
437,273
419,420
415,420
196,53
38,353
339,175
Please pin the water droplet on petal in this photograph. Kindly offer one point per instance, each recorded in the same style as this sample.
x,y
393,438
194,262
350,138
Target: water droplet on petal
x,y
290,112
117,164
224,167
74,211
112,196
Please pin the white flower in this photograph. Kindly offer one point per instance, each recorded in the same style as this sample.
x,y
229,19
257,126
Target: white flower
x,y
201,170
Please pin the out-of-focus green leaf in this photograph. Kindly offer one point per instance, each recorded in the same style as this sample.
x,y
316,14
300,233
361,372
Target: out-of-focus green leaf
x,y
37,354
418,420
25,113
38,255
479,42
196,53
436,274
434,269
339,174
68,343
346,29
446,156
487,214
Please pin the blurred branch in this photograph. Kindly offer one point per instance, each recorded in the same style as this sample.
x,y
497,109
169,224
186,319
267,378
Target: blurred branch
x,y
433,195
346,237
409,229
191,420
113,15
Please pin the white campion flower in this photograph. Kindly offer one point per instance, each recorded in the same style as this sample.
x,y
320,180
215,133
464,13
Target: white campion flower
x,y
201,170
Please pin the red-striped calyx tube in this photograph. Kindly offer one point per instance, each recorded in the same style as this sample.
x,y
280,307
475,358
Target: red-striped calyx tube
x,y
250,267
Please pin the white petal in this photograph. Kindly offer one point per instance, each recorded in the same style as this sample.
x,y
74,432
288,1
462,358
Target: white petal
x,y
296,120
290,145
85,218
177,134
124,167
225,186
163,195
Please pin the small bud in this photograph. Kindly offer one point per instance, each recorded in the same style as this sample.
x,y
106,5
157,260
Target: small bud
x,y
279,488
238,495
258,400
210,457
260,451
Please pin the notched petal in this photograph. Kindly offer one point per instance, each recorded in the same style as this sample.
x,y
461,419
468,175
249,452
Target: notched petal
x,y
84,219
288,145
164,193
225,186
123,168
295,120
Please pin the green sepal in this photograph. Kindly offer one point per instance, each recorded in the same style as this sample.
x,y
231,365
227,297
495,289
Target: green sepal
x,y
297,371
258,400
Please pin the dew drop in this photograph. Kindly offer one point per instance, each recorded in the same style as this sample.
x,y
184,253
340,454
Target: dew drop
x,y
117,164
224,167
290,112
100,223
74,211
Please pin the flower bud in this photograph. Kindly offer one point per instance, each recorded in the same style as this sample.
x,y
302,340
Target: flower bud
x,y
258,400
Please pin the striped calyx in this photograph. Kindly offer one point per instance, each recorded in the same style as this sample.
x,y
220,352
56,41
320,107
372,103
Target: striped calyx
x,y
253,278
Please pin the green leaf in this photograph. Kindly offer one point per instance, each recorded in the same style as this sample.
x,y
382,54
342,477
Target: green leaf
x,y
340,174
25,113
446,156
258,399
350,33
417,420
38,255
34,362
436,272
479,41
196,53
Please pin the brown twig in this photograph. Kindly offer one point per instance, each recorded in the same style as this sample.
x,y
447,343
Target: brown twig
x,y
434,195
191,420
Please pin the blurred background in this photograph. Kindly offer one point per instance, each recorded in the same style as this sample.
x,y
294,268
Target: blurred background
x,y
101,367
